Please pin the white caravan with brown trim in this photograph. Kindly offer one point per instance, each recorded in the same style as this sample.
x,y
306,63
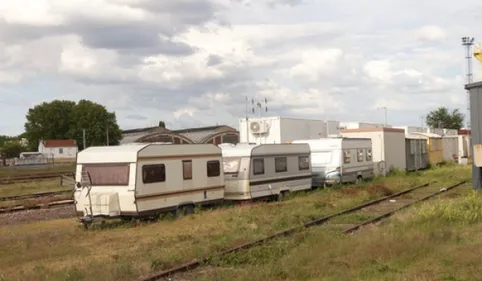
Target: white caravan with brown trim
x,y
340,160
147,179
267,170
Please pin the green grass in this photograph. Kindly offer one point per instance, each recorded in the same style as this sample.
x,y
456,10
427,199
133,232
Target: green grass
x,y
37,186
438,240
48,169
61,250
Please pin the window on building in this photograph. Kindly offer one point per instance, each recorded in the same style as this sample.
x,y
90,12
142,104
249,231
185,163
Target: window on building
x,y
360,155
213,168
258,166
280,164
346,156
303,163
153,173
369,155
187,169
61,150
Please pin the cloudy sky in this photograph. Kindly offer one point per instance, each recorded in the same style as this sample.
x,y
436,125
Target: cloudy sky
x,y
193,62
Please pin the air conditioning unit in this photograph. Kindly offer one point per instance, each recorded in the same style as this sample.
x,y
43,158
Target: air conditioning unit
x,y
258,127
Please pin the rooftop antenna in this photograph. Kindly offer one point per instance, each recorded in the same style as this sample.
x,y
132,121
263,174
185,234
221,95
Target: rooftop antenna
x,y
468,42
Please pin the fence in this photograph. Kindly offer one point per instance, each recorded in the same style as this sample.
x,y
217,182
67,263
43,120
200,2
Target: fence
x,y
38,161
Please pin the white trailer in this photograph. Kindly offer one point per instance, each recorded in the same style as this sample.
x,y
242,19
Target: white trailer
x,y
147,179
284,130
388,146
340,160
267,170
450,147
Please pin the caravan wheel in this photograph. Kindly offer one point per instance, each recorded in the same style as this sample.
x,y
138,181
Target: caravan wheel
x,y
359,180
282,195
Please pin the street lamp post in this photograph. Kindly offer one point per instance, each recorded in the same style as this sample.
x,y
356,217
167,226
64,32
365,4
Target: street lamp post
x,y
384,108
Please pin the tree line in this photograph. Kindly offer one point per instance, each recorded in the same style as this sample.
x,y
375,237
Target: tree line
x,y
63,119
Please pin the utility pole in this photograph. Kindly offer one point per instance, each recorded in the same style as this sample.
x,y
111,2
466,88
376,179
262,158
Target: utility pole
x,y
107,133
384,108
83,137
247,120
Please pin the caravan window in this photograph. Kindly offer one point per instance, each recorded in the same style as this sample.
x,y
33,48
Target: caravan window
x,y
213,169
303,163
346,156
280,164
153,173
360,155
107,174
187,169
369,155
231,165
324,157
258,166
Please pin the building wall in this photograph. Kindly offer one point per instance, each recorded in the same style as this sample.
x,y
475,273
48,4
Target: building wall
x,y
435,151
361,125
395,156
58,152
386,146
282,130
412,129
476,127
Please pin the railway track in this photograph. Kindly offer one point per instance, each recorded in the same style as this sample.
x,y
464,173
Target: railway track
x,y
34,195
386,201
31,177
36,207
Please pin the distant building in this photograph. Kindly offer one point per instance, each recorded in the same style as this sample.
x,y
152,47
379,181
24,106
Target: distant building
x,y
212,134
277,129
58,148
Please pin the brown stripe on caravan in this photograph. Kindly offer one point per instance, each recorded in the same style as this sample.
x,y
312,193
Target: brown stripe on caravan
x,y
179,156
172,193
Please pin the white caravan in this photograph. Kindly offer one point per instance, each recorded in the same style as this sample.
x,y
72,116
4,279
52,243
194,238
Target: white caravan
x,y
340,160
147,179
267,170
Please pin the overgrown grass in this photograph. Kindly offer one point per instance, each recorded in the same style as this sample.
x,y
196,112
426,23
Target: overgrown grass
x,y
38,186
440,240
61,250
48,169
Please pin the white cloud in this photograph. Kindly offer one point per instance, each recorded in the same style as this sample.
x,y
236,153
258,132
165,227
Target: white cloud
x,y
194,62
431,33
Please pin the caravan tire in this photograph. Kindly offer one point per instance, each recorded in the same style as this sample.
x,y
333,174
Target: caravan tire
x,y
282,195
180,212
359,180
188,209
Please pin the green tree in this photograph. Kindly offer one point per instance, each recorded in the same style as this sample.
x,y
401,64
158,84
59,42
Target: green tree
x,y
61,119
443,118
12,149
48,121
97,122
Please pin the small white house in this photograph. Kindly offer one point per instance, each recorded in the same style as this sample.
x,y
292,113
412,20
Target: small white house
x,y
58,149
